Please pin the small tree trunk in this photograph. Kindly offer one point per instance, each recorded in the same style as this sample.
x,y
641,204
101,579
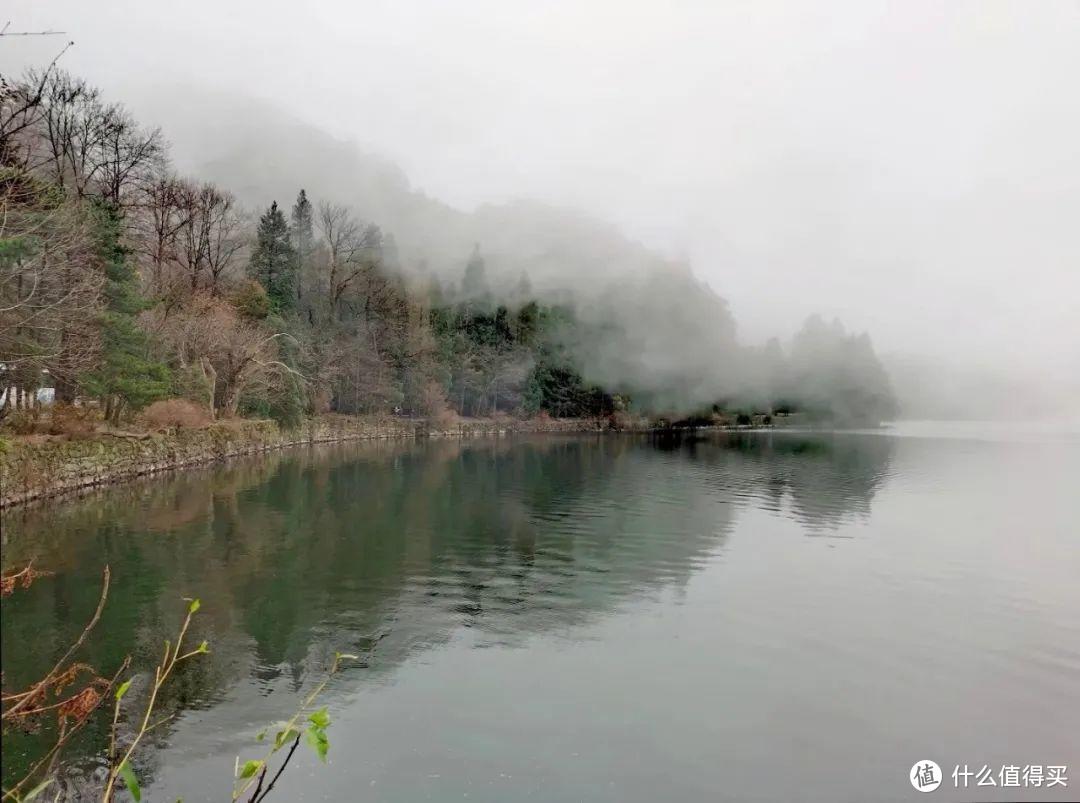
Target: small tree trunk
x,y
210,376
230,401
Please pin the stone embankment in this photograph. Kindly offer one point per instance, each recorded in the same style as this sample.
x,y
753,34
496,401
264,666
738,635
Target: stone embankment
x,y
37,467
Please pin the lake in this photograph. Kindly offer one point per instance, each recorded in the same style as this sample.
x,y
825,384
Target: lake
x,y
736,616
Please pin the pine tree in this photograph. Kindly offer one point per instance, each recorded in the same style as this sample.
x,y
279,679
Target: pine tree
x,y
126,380
303,239
273,262
475,284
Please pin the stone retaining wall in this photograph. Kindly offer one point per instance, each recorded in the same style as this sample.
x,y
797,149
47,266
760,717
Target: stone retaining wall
x,y
33,468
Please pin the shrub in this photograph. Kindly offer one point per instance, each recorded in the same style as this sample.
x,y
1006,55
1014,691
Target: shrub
x,y
175,414
251,301
433,400
75,422
21,422
445,419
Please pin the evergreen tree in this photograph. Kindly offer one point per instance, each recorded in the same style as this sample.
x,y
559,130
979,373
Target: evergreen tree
x,y
273,262
475,284
303,240
126,380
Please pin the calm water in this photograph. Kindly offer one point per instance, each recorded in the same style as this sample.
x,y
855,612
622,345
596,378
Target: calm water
x,y
742,617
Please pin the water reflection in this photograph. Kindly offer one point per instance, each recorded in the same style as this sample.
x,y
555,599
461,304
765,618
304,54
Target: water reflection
x,y
389,549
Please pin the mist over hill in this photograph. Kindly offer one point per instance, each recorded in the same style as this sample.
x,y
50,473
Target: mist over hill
x,y
654,329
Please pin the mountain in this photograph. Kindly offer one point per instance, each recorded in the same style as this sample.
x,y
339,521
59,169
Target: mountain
x,y
663,323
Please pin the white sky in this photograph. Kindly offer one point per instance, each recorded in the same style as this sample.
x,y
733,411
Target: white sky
x,y
912,167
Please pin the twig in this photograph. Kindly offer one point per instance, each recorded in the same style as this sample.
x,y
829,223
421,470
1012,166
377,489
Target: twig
x,y
291,724
258,787
44,682
255,798
11,793
161,673
5,32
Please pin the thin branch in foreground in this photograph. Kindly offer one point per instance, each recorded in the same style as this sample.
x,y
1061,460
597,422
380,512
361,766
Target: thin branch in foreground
x,y
13,792
24,699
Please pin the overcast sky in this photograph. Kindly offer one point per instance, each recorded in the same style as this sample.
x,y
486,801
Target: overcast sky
x,y
911,167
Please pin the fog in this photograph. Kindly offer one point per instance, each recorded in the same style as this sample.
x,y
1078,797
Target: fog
x,y
912,169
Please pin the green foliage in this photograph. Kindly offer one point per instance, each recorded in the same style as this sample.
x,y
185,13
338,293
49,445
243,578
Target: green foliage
x,y
192,383
302,236
251,301
284,736
273,262
320,718
314,734
557,390
126,378
127,774
315,737
14,249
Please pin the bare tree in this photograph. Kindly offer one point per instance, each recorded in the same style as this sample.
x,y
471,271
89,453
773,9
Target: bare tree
x,y
128,156
206,235
162,213
225,234
50,284
353,251
58,128
234,355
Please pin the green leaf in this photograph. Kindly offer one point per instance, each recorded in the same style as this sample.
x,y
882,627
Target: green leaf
x,y
250,768
121,690
194,606
203,647
37,790
260,735
317,741
320,718
130,781
284,737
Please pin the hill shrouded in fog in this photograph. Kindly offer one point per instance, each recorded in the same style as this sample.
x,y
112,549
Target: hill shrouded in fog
x,y
655,329
199,282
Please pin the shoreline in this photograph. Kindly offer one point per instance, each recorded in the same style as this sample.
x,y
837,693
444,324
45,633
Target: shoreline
x,y
36,469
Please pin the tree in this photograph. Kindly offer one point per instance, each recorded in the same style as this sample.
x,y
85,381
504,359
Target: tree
x,y
233,354
84,146
50,284
208,238
164,212
837,376
273,262
474,285
354,253
303,240
126,380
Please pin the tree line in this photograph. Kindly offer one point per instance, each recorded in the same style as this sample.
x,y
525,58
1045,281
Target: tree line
x,y
125,283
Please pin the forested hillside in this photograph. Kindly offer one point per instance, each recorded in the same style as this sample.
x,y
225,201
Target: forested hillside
x,y
127,283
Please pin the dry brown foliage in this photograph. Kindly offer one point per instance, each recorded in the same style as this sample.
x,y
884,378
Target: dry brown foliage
x,y
49,696
175,414
23,578
75,422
